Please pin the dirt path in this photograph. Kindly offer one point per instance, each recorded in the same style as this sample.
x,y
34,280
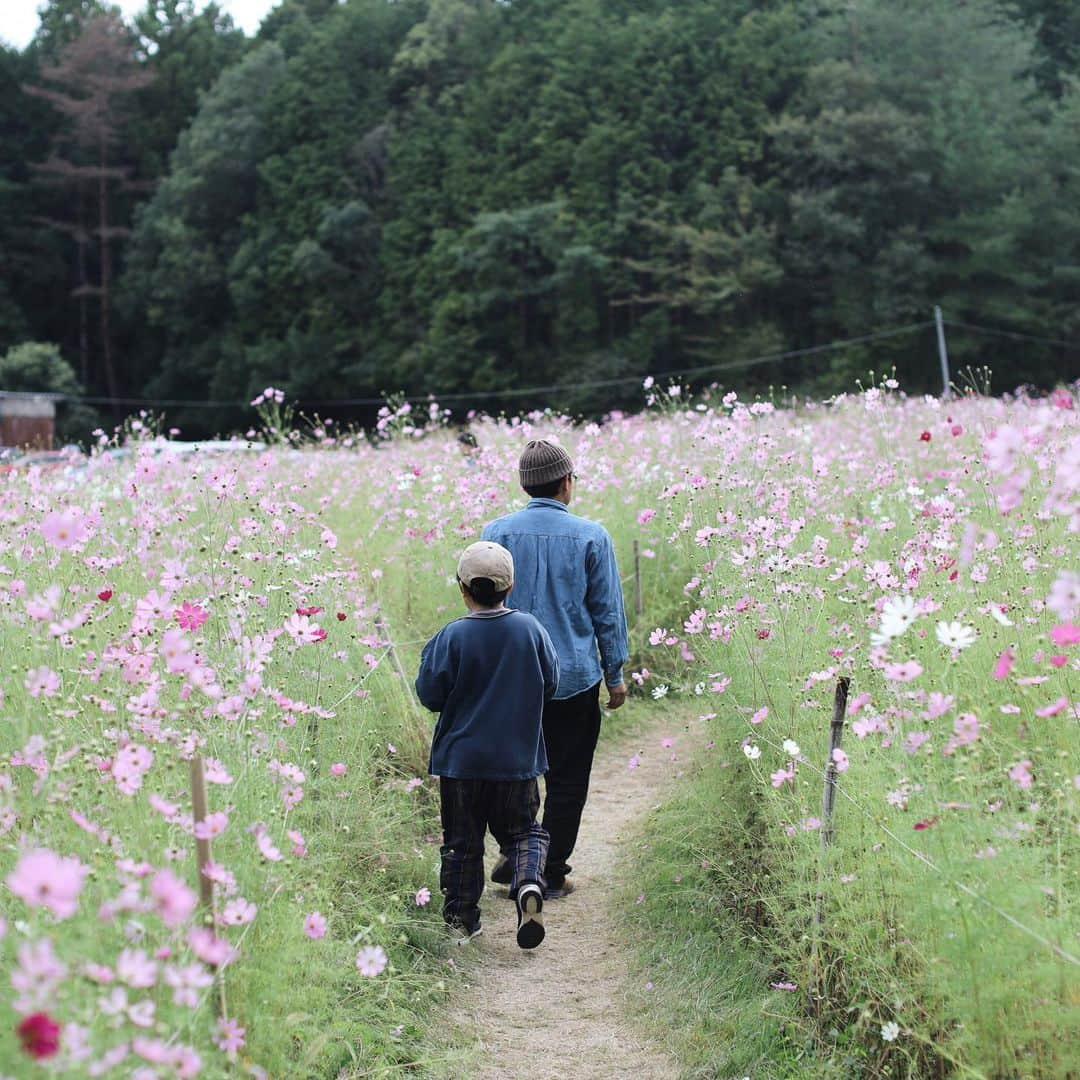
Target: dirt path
x,y
557,1011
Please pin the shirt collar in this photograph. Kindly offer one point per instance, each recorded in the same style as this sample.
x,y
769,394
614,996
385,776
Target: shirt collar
x,y
552,504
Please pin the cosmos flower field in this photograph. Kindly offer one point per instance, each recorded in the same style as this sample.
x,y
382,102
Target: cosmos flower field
x,y
169,614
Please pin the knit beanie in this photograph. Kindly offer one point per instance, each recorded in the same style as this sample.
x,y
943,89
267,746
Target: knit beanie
x,y
543,462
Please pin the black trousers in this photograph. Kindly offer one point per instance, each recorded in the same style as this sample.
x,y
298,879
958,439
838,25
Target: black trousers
x,y
571,728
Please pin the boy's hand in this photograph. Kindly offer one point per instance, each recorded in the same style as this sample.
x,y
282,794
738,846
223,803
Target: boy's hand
x,y
616,695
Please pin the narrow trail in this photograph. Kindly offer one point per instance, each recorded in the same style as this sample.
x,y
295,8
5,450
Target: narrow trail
x,y
558,1011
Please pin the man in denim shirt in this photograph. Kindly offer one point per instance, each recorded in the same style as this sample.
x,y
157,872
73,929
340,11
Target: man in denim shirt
x,y
568,579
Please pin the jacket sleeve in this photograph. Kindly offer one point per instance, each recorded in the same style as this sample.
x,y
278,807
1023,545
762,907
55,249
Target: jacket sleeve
x,y
604,600
435,678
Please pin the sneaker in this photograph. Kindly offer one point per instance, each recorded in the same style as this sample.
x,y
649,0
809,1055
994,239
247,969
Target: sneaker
x,y
530,903
502,873
561,890
462,935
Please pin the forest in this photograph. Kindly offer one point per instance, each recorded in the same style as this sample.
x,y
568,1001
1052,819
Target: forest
x,y
518,204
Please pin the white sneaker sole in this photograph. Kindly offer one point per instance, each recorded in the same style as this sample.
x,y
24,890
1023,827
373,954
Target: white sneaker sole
x,y
530,931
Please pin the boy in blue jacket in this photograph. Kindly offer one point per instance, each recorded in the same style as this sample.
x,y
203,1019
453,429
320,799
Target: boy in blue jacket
x,y
488,675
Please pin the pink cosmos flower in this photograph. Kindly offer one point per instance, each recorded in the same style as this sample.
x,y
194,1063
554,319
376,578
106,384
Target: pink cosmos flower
x,y
634,763
64,529
371,961
423,897
783,776
841,760
229,1037
238,912
37,973
914,741
173,900
414,783
905,672
965,731
303,631
1065,634
1004,665
315,925
645,516
209,948
299,845
1020,774
1064,598
42,682
1053,708
42,878
136,969
211,826
760,715
339,768
190,616
267,848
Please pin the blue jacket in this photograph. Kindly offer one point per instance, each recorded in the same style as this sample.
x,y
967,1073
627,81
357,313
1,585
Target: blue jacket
x,y
565,574
488,675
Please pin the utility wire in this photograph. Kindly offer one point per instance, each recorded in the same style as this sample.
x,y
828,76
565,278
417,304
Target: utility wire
x,y
1011,334
591,384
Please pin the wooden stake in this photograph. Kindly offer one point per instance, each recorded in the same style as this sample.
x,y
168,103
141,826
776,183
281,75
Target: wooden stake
x,y
202,847
383,628
836,731
202,858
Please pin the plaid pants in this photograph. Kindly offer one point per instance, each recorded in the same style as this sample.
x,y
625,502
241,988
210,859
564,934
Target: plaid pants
x,y
469,808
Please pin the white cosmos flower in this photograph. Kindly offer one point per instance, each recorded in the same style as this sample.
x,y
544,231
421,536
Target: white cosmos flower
x,y
999,615
897,615
955,635
890,1031
751,751
659,692
791,747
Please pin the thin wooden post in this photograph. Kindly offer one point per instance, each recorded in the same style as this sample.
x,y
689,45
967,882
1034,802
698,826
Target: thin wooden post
x,y
202,847
943,355
639,606
822,954
836,731
383,628
202,858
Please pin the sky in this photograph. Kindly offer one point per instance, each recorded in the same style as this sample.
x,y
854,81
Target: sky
x,y
19,19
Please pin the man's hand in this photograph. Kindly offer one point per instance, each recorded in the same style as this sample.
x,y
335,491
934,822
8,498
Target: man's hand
x,y
616,695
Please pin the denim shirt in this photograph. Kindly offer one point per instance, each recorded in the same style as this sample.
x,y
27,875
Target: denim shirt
x,y
565,574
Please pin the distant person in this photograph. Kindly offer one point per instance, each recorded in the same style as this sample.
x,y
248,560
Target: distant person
x,y
568,578
469,446
488,675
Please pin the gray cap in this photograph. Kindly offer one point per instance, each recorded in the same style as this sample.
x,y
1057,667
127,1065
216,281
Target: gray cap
x,y
543,462
485,559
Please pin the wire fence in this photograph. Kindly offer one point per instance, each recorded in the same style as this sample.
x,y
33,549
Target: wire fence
x,y
551,388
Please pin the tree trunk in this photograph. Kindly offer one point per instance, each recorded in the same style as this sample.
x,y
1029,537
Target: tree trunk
x,y
84,327
106,334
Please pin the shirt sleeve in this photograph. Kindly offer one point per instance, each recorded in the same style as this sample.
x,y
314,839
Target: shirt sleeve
x,y
549,663
435,678
604,600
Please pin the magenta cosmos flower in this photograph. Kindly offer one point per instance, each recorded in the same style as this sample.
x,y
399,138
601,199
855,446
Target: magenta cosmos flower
x,y
190,616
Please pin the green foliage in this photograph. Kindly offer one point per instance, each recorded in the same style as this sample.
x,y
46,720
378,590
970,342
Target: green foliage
x,y
470,195
38,367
